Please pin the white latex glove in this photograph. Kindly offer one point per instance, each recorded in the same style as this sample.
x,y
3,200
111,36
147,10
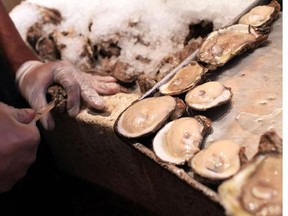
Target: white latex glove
x,y
18,144
34,78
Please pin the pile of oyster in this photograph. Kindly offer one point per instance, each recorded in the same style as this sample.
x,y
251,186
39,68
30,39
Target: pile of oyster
x,y
174,119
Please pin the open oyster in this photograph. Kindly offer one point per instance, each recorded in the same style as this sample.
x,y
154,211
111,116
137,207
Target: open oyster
x,y
184,79
180,139
208,95
225,43
257,188
145,116
219,161
261,16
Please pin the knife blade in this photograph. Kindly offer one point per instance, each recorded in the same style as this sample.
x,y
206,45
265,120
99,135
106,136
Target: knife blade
x,y
44,110
192,56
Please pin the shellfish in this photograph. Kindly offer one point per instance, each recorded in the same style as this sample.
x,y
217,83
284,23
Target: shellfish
x,y
180,139
257,188
219,161
144,117
184,80
225,43
208,95
261,17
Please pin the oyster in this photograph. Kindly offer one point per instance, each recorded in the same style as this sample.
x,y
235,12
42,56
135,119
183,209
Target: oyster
x,y
68,42
261,17
180,139
257,188
219,161
184,79
223,44
208,95
47,50
145,116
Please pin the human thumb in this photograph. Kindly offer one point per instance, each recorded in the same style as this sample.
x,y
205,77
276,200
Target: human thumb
x,y
25,116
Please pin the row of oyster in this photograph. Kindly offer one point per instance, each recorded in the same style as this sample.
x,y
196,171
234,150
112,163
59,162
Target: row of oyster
x,y
179,141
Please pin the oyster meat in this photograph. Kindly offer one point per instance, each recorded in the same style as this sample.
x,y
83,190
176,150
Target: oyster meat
x,y
225,43
219,161
208,95
257,188
183,80
145,116
180,139
261,17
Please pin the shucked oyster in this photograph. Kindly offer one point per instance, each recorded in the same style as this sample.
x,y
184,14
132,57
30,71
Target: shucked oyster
x,y
145,116
261,16
180,139
257,188
222,45
219,161
184,79
208,95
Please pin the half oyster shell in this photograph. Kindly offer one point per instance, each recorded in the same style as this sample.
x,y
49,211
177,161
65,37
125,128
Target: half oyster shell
x,y
261,17
223,44
145,116
180,139
257,188
208,95
219,161
183,80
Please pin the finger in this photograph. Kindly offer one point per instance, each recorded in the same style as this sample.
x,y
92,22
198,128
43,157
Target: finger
x,y
25,116
106,88
92,98
104,78
73,91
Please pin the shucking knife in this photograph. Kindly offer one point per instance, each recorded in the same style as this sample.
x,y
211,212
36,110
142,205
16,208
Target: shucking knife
x,y
192,56
44,110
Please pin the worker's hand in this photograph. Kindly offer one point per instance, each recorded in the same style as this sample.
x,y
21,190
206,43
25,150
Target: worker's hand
x,y
34,77
18,144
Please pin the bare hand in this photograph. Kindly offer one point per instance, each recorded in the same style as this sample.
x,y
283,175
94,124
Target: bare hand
x,y
18,144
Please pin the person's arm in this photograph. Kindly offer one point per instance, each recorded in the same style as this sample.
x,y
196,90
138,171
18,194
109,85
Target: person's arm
x,y
12,46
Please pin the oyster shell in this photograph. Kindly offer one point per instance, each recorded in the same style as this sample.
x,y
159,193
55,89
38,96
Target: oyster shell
x,y
68,42
208,95
145,116
257,188
261,17
180,139
184,79
219,161
225,43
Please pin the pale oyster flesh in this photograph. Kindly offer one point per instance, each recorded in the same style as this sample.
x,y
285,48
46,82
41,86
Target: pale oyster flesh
x,y
145,116
263,195
223,44
220,160
261,17
178,140
257,16
208,95
184,79
257,188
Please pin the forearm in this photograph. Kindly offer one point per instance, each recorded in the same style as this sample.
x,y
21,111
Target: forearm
x,y
13,48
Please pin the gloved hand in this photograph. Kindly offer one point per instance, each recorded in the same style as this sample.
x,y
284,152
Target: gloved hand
x,y
34,77
18,144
